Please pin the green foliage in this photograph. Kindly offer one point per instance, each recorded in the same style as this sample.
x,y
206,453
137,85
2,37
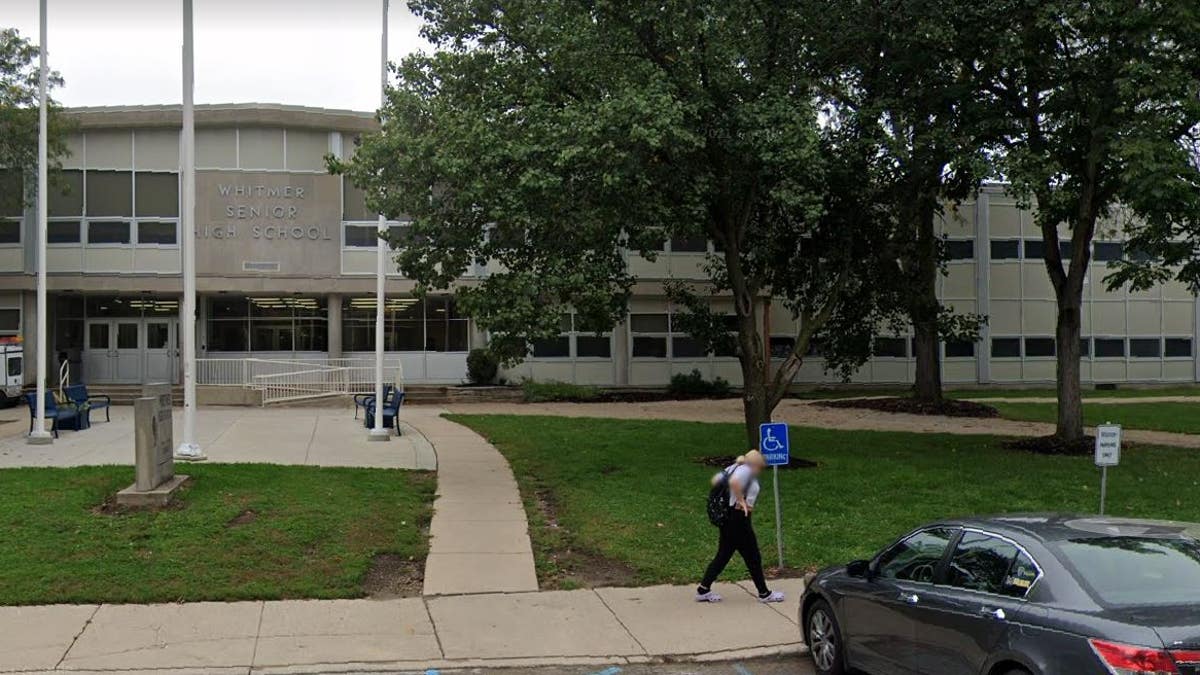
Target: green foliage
x,y
239,532
693,385
544,392
19,75
482,366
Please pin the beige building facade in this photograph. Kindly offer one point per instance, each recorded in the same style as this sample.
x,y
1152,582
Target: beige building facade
x,y
285,269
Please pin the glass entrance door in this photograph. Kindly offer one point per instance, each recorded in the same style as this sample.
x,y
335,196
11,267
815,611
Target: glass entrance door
x,y
130,351
161,350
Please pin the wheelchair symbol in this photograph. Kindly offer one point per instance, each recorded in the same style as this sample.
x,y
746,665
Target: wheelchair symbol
x,y
771,444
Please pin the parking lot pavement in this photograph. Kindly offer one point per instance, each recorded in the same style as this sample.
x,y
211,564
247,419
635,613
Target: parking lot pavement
x,y
787,665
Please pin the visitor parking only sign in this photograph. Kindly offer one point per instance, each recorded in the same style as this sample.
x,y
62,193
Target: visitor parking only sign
x,y
773,443
1108,445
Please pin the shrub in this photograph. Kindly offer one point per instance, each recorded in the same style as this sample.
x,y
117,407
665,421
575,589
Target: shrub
x,y
482,366
540,392
693,385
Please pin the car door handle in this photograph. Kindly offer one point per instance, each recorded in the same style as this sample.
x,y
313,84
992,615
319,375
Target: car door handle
x,y
910,598
997,614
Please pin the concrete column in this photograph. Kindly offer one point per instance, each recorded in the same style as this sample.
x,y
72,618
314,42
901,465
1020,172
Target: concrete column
x,y
620,355
983,286
201,326
29,335
333,303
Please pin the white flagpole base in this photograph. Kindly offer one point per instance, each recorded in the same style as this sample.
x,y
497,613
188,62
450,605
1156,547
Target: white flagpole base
x,y
189,452
379,435
42,437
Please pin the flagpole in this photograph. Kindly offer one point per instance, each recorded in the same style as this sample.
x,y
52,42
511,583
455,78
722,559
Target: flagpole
x,y
39,435
188,450
379,433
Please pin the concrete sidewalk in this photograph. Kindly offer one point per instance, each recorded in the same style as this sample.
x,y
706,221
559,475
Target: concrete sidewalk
x,y
608,626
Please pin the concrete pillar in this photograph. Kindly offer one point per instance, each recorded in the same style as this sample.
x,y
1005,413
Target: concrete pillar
x,y
29,335
620,354
333,303
983,292
201,326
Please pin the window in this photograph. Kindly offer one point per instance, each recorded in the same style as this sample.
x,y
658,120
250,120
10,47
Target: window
x,y
108,232
10,321
959,349
354,203
649,346
551,348
593,346
63,232
272,323
1035,249
1141,256
782,346
12,193
1145,348
10,231
1178,347
109,194
445,329
1039,346
915,558
1085,347
1110,348
14,366
1003,348
156,232
1006,249
689,245
985,563
1107,251
65,197
890,347
1128,571
687,347
960,249
362,235
157,194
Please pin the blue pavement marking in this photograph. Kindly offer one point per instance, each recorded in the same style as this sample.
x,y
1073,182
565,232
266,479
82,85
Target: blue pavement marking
x,y
740,669
432,671
611,670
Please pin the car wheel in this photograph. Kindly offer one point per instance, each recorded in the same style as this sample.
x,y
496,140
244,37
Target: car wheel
x,y
824,639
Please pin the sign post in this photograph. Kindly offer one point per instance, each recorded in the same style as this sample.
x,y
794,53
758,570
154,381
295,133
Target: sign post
x,y
1108,453
773,444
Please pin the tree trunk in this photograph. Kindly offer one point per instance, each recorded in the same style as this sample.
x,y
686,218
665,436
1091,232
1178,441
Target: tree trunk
x,y
928,385
1070,403
925,307
756,399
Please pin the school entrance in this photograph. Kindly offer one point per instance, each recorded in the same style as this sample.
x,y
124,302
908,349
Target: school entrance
x,y
131,351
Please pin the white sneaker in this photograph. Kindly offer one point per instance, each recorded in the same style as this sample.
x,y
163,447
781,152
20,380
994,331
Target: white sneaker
x,y
775,596
708,597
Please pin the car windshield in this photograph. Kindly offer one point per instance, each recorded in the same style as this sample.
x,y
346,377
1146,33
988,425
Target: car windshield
x,y
1137,570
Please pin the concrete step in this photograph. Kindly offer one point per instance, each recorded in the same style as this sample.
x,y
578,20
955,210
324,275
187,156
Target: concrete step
x,y
124,394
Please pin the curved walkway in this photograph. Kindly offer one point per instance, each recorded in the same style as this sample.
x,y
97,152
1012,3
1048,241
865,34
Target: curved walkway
x,y
805,413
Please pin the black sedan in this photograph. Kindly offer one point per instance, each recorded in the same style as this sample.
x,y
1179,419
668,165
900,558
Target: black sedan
x,y
1014,595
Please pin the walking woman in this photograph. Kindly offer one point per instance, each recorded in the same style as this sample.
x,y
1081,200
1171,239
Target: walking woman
x,y
737,532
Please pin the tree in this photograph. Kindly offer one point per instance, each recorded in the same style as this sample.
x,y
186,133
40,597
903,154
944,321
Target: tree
x,y
548,139
900,71
19,117
1099,101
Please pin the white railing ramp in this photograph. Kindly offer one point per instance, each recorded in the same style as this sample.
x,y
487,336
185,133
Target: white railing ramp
x,y
282,380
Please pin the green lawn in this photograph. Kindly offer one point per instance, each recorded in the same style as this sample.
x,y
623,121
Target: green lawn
x,y
1182,418
994,392
303,532
632,491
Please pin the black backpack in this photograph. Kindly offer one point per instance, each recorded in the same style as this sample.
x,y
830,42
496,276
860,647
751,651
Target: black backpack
x,y
718,500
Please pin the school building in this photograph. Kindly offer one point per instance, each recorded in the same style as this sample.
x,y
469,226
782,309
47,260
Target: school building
x,y
285,269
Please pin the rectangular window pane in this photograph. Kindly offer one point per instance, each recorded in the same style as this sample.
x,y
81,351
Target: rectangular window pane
x,y
1035,249
648,323
1145,348
108,232
127,336
1006,249
551,348
63,232
686,347
157,335
1039,346
359,235
10,231
782,346
229,307
157,194
354,203
1178,347
10,320
1085,346
650,347
1110,347
1002,348
65,197
960,249
890,347
960,349
272,335
109,193
12,193
689,245
591,346
98,336
228,336
150,232
1107,251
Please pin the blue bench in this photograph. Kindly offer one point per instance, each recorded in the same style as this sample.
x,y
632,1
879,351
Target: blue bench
x,y
85,402
360,400
54,413
391,412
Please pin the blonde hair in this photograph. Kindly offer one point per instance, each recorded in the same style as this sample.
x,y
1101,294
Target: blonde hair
x,y
752,457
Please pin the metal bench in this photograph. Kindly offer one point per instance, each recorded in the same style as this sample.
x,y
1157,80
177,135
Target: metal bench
x,y
391,411
54,413
360,400
86,403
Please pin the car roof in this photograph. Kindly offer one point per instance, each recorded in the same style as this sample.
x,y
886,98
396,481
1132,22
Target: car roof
x,y
1051,527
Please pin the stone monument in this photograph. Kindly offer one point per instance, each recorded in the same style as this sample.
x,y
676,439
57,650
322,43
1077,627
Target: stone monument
x,y
155,481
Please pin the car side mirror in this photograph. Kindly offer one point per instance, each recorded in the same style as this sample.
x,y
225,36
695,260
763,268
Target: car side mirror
x,y
859,568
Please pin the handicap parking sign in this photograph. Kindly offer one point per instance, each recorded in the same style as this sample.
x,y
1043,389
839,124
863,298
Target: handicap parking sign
x,y
773,442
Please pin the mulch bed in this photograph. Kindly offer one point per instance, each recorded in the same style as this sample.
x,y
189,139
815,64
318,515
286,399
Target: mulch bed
x,y
1052,445
722,461
651,396
948,407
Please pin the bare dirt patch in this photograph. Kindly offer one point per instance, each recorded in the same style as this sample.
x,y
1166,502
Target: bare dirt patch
x,y
1052,445
244,518
911,406
566,564
394,576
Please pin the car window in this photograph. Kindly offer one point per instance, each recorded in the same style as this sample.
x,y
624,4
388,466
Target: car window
x,y
916,557
1137,570
985,563
1020,577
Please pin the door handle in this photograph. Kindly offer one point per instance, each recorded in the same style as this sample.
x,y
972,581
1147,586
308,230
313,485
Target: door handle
x,y
997,614
910,598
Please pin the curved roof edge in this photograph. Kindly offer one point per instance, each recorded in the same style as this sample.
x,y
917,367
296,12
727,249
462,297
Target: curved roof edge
x,y
223,115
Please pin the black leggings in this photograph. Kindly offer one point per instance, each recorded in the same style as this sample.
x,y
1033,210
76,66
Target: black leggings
x,y
737,534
